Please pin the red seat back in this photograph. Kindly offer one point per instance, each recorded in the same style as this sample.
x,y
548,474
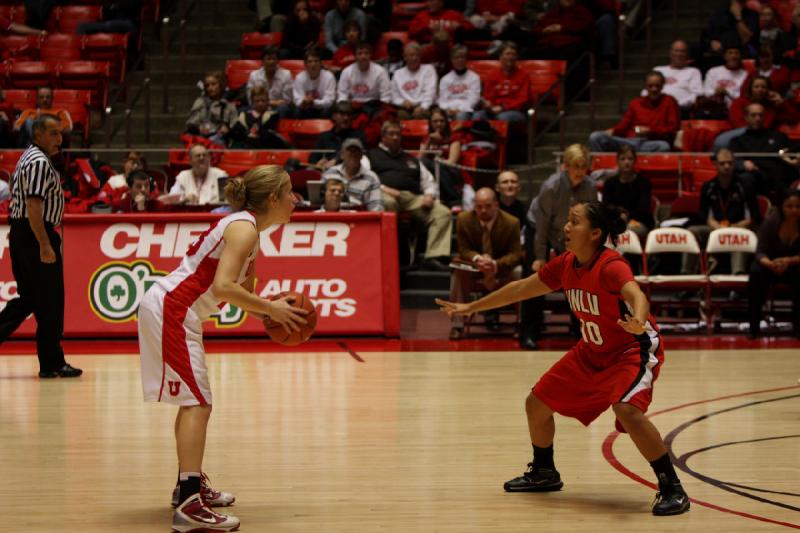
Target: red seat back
x,y
294,66
663,171
303,133
8,160
21,98
67,18
30,74
111,47
20,46
60,47
253,44
86,75
543,74
237,71
77,105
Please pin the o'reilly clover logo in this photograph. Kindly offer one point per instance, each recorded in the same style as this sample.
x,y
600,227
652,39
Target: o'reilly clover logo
x,y
117,288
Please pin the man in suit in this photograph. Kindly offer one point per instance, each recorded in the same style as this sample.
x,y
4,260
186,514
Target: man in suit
x,y
489,253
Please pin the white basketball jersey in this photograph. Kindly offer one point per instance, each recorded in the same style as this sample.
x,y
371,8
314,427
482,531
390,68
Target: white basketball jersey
x,y
190,283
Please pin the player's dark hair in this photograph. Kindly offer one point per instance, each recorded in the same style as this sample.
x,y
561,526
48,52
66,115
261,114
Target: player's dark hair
x,y
609,219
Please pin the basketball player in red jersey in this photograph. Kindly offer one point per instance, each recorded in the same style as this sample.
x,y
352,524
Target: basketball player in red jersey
x,y
218,267
615,363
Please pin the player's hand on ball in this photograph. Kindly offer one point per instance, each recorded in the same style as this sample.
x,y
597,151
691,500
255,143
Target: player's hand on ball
x,y
453,308
631,325
284,313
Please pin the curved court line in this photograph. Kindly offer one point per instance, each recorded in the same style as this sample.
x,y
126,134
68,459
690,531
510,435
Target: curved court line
x,y
608,454
686,456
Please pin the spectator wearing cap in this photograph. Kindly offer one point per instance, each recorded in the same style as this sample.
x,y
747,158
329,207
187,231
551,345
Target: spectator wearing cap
x,y
506,91
212,115
314,89
362,186
408,186
276,79
335,20
649,124
331,140
459,89
365,83
723,83
198,185
413,86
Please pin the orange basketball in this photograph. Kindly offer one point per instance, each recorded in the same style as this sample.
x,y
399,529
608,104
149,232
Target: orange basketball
x,y
277,332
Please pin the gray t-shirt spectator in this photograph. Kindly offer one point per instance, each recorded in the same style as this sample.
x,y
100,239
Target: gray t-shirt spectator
x,y
550,209
333,27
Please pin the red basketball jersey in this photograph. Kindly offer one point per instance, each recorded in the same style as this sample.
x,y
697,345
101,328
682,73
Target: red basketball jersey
x,y
593,293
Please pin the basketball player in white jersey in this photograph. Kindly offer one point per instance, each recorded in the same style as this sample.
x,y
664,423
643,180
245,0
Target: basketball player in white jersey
x,y
217,268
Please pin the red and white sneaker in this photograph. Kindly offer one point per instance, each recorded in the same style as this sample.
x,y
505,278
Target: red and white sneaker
x,y
195,515
213,498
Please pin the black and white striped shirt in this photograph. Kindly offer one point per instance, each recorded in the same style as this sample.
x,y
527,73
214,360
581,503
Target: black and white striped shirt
x,y
35,176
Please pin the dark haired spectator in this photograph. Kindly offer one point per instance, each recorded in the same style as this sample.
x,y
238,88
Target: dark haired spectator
x,y
506,91
363,187
198,185
769,174
649,124
435,18
776,110
625,188
346,54
212,115
407,186
44,106
300,33
489,241
394,57
118,183
342,115
333,191
777,259
437,52
314,89
139,196
779,76
119,16
335,20
413,86
452,189
681,81
365,83
254,129
276,79
460,89
790,55
734,25
725,201
508,190
770,34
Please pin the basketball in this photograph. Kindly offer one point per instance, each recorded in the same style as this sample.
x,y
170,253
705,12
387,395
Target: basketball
x,y
277,332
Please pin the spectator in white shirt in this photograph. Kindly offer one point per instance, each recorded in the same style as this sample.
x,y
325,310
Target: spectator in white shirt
x,y
277,80
314,88
199,184
365,83
723,83
459,89
682,82
413,86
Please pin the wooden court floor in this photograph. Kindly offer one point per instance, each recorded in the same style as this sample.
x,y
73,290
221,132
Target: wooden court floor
x,y
414,441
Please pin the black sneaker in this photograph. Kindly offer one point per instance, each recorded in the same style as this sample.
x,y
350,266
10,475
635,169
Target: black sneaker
x,y
671,499
66,371
535,480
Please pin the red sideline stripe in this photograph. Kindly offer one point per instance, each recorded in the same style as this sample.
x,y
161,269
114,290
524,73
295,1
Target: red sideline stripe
x,y
608,454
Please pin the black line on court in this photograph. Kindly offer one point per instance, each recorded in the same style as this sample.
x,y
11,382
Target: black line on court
x,y
680,462
347,349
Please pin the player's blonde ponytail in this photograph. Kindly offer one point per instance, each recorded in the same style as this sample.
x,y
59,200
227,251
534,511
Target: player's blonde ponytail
x,y
258,184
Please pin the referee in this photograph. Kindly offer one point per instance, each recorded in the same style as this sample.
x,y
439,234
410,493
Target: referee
x,y
37,204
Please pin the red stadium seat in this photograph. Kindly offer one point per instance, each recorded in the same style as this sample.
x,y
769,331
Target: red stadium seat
x,y
86,75
253,44
77,104
727,241
663,172
793,132
4,175
237,71
111,47
15,14
294,66
483,67
404,13
61,47
685,205
21,98
695,170
414,131
604,161
303,133
235,162
699,135
380,47
68,18
8,160
478,49
749,65
543,74
29,74
20,46
280,158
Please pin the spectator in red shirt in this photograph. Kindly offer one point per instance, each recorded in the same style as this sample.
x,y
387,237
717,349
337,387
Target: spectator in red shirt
x,y
139,196
506,91
649,124
426,22
346,54
776,110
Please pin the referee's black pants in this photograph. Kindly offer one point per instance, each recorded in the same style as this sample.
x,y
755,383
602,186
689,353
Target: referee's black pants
x,y
40,287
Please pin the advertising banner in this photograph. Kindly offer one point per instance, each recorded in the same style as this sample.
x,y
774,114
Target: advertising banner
x,y
346,263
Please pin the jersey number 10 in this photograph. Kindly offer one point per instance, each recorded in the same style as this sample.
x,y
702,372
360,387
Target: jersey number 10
x,y
590,332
